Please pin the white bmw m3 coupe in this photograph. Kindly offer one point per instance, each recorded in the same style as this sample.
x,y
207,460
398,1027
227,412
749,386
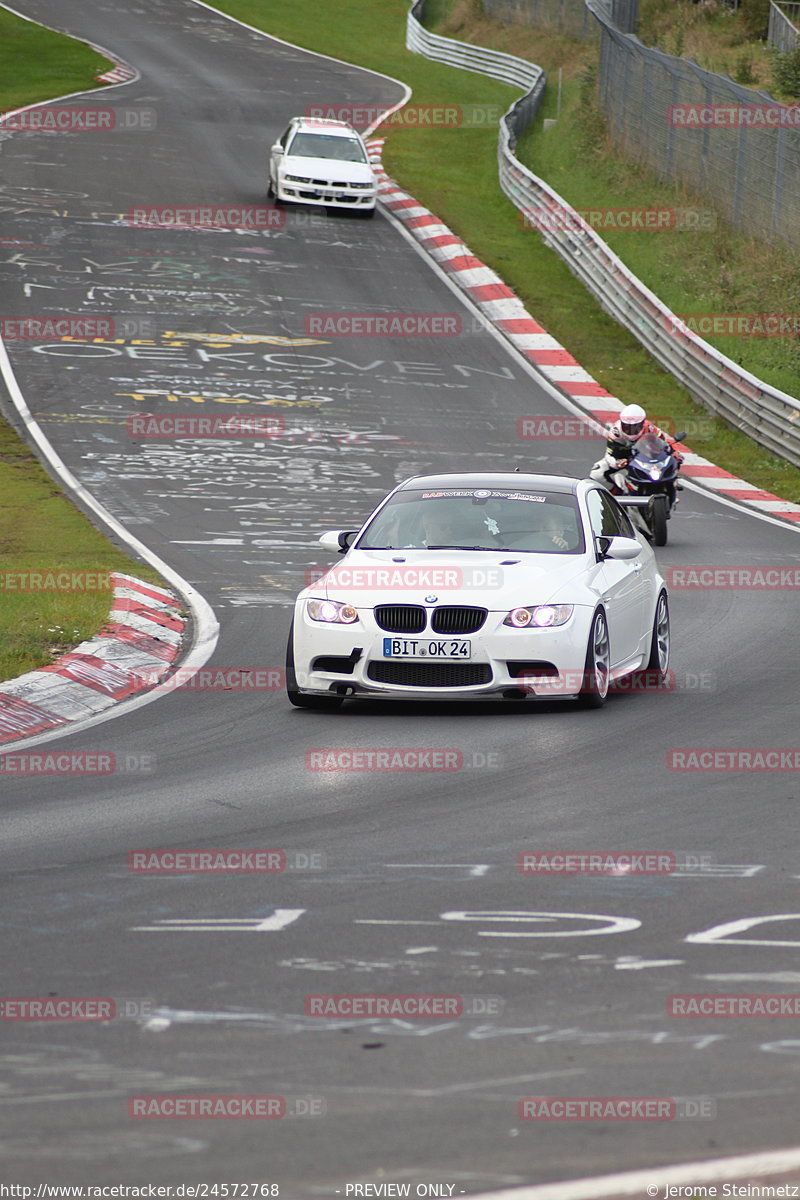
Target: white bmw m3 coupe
x,y
481,586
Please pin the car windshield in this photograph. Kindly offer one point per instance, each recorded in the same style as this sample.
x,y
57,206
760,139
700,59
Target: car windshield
x,y
503,519
326,145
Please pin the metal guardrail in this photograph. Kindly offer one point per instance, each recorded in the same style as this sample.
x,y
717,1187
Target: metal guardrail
x,y
784,25
766,414
506,68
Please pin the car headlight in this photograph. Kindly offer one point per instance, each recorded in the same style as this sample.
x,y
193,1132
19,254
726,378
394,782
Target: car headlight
x,y
362,185
297,178
540,616
332,612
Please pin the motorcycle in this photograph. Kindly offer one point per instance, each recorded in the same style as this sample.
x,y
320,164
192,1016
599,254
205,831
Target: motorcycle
x,y
649,485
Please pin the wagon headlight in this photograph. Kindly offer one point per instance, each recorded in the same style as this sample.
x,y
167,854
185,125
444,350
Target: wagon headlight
x,y
541,616
332,612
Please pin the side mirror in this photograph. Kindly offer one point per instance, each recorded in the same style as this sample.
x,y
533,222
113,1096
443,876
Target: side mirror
x,y
680,436
619,547
277,148
338,539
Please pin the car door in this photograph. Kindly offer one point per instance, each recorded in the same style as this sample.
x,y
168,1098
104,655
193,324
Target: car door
x,y
623,584
276,154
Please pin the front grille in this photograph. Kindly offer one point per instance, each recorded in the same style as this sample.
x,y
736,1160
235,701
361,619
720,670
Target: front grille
x,y
430,674
456,619
400,618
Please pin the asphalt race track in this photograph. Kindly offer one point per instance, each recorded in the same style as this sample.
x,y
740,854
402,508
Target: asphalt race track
x,y
413,884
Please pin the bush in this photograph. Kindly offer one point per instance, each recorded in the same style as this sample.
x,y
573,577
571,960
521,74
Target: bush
x,y
786,72
744,72
755,17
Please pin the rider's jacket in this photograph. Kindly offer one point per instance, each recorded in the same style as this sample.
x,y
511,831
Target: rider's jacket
x,y
619,443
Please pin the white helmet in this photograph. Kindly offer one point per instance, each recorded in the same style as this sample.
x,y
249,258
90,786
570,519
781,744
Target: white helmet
x,y
632,419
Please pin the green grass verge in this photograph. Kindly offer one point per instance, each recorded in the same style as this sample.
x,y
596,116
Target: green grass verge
x,y
43,533
41,530
37,64
454,172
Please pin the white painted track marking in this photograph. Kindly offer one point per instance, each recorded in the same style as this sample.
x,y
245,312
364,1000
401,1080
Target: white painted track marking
x,y
720,933
276,921
642,1183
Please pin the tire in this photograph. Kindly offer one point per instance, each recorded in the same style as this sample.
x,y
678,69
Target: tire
x,y
368,213
596,668
658,662
270,190
658,520
297,698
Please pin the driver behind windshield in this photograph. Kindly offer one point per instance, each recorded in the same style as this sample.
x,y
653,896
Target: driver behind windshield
x,y
443,526
516,525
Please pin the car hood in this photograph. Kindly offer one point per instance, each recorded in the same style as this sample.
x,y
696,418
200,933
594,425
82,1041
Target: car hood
x,y
497,580
328,168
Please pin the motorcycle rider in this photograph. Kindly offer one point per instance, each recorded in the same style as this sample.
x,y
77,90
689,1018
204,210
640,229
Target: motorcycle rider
x,y
631,424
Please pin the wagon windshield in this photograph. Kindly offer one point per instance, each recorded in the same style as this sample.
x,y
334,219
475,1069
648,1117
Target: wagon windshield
x,y
326,145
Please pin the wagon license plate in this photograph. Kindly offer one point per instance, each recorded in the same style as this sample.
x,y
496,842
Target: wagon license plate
x,y
426,648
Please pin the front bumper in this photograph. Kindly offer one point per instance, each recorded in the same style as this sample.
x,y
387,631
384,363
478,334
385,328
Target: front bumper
x,y
343,196
349,660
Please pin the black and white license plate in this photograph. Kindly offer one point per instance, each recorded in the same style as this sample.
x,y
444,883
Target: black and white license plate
x,y
426,648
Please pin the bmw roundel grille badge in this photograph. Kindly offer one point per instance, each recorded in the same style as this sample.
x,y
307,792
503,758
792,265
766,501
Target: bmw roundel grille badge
x,y
431,599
